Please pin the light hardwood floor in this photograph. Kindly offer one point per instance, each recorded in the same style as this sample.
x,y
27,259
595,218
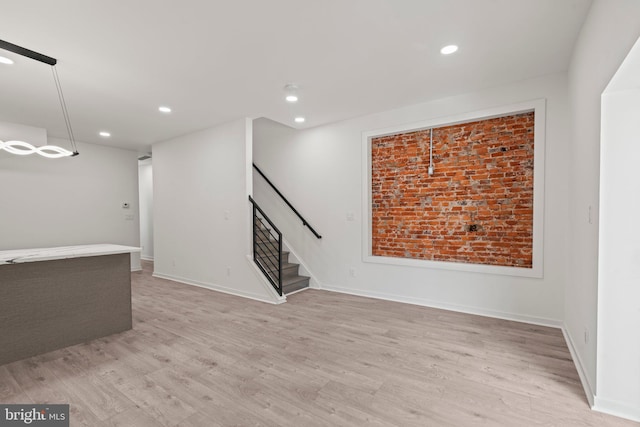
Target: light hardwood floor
x,y
201,358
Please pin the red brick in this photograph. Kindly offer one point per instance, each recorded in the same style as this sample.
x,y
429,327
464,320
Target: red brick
x,y
483,176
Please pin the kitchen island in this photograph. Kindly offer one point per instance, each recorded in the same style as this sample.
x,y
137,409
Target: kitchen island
x,y
51,298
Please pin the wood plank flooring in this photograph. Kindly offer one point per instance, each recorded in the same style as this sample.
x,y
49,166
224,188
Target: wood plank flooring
x,y
201,358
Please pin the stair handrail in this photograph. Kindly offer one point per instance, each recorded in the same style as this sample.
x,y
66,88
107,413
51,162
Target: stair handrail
x,y
304,221
263,258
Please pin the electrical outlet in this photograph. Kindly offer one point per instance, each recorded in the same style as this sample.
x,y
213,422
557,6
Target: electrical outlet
x,y
351,216
352,272
590,215
586,336
227,215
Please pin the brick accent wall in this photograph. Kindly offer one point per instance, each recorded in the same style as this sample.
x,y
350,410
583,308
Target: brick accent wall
x,y
476,208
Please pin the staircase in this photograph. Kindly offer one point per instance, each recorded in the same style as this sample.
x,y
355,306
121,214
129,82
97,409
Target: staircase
x,y
291,279
268,254
271,258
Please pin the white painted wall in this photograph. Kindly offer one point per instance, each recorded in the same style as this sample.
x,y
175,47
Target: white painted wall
x,y
320,171
16,132
608,33
202,233
618,367
69,201
145,188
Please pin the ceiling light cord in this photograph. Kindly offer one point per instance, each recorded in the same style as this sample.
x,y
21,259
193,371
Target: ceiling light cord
x,y
65,113
23,148
430,170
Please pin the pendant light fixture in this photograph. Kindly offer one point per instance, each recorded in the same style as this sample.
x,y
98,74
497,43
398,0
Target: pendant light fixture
x,y
23,148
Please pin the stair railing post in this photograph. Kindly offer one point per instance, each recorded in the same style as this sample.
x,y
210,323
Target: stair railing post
x,y
254,231
280,262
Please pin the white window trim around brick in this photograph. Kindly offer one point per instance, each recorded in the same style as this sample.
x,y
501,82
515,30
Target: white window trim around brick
x,y
536,271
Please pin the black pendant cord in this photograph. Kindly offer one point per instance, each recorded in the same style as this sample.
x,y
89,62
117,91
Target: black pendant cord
x,y
65,113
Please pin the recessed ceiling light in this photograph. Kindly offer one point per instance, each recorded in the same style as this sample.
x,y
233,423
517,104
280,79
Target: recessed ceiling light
x,y
164,109
448,50
104,134
299,119
292,98
4,60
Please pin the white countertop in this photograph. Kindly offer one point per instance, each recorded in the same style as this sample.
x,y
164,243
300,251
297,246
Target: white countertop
x,y
46,254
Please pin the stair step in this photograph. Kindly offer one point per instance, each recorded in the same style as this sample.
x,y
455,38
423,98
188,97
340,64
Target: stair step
x,y
289,269
291,280
265,232
266,247
295,283
264,240
271,253
262,237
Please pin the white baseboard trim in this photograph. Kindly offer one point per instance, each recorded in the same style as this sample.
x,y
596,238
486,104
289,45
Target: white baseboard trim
x,y
618,409
146,258
599,404
582,372
541,321
134,268
215,287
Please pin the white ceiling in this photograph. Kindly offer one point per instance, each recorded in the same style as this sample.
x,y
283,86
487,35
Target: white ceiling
x,y
213,61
